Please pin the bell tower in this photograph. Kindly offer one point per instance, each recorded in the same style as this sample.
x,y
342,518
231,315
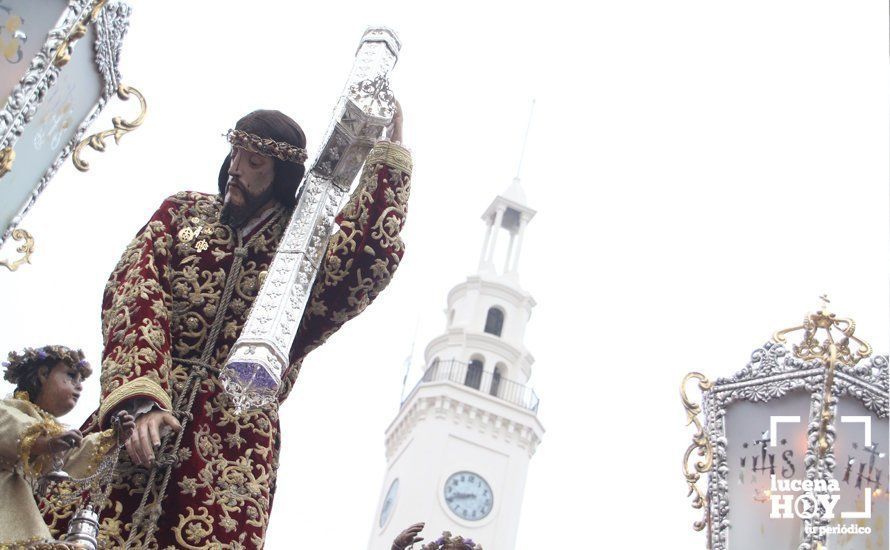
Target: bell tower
x,y
459,447
507,211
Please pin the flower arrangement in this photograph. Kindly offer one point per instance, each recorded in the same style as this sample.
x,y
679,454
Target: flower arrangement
x,y
449,542
20,367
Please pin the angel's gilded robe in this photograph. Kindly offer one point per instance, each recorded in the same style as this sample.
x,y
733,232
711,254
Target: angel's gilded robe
x,y
173,308
21,423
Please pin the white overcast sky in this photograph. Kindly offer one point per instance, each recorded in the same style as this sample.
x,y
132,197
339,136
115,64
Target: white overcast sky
x,y
702,172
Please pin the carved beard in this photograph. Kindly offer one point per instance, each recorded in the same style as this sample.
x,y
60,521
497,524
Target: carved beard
x,y
237,215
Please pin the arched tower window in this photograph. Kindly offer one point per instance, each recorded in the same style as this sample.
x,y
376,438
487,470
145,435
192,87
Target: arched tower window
x,y
474,374
496,380
494,321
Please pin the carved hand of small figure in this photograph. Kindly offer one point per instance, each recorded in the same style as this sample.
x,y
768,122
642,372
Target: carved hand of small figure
x,y
52,444
124,424
408,537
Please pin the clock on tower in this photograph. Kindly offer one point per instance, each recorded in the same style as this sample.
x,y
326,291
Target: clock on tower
x,y
468,495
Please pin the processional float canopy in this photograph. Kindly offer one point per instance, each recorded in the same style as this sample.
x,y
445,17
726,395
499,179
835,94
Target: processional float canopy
x,y
58,69
794,447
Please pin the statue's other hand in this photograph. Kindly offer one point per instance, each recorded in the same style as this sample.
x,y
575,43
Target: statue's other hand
x,y
408,537
146,437
395,127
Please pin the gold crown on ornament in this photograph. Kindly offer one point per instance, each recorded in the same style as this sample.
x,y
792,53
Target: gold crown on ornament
x,y
266,147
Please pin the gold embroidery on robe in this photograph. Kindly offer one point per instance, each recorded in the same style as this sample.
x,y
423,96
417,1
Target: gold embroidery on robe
x,y
170,311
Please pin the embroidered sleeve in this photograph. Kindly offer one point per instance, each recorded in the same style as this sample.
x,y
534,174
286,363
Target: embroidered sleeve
x,y
35,465
362,256
19,432
136,320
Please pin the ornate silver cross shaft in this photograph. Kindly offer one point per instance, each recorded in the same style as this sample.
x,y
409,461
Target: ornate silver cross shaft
x,y
252,374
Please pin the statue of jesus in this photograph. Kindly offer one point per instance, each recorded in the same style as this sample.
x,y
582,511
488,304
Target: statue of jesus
x,y
174,306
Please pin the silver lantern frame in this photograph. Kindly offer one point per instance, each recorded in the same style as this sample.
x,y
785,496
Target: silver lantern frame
x,y
110,21
774,370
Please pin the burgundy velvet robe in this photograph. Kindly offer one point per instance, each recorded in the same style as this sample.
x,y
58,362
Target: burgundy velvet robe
x,y
173,309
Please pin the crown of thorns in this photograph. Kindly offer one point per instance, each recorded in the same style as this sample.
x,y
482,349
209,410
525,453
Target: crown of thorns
x,y
19,364
266,147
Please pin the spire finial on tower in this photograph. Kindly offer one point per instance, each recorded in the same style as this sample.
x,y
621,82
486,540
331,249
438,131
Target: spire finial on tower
x,y
525,139
508,211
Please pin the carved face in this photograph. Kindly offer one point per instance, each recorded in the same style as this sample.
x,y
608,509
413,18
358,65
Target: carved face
x,y
60,389
249,186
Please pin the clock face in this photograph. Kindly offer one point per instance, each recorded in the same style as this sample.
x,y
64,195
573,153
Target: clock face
x,y
389,502
468,496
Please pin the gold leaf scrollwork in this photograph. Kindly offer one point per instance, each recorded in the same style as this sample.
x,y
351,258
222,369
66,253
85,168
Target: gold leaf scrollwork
x,y
97,7
7,157
121,127
700,444
826,338
821,331
826,418
27,248
63,51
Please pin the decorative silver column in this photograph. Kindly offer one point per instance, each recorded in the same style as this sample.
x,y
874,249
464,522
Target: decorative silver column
x,y
252,374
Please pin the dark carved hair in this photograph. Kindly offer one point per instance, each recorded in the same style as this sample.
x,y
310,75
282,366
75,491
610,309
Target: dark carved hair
x,y
23,369
280,127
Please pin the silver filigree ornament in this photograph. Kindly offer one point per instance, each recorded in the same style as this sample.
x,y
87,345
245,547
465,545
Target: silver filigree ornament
x,y
43,73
